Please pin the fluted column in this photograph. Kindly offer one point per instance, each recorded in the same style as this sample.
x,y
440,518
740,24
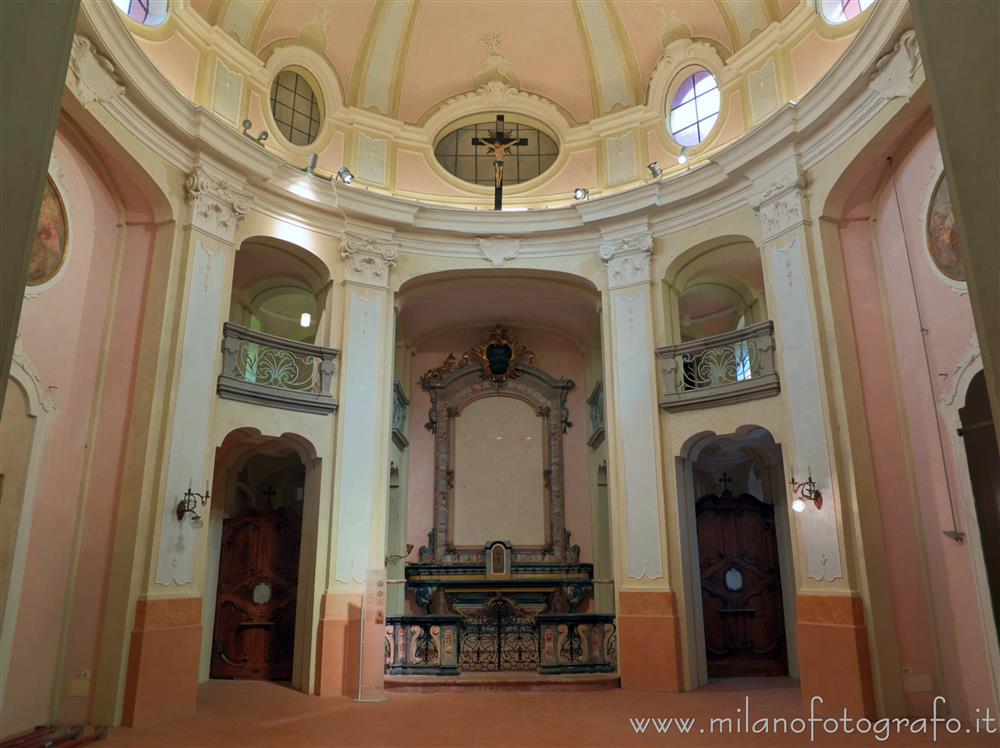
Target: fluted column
x,y
356,594
648,627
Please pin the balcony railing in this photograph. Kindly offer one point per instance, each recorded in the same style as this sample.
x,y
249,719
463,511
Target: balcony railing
x,y
722,369
272,371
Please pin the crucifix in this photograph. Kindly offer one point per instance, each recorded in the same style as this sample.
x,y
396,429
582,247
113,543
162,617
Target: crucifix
x,y
725,480
500,143
269,494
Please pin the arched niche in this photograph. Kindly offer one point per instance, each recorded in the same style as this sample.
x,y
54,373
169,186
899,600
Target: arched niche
x,y
467,392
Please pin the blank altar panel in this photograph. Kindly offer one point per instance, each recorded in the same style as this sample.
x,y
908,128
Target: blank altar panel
x,y
498,458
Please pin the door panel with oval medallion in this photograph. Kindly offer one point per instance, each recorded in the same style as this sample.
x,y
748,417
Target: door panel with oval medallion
x,y
740,586
258,589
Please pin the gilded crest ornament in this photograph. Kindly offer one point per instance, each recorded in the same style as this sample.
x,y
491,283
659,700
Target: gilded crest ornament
x,y
499,355
449,365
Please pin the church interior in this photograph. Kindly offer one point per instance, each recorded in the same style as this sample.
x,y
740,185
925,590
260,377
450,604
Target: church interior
x,y
544,373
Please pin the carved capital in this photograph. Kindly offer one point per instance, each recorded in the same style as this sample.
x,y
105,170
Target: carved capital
x,y
368,261
894,71
628,260
92,75
499,249
779,202
216,204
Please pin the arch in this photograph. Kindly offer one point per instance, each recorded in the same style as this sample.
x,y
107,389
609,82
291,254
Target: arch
x,y
755,446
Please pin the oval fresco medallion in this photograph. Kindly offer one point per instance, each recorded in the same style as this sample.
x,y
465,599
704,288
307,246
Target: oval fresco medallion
x,y
942,236
49,250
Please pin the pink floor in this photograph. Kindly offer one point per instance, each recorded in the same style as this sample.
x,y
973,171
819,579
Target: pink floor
x,y
245,713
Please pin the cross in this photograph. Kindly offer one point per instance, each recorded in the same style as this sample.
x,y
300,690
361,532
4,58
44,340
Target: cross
x,y
500,143
269,494
725,480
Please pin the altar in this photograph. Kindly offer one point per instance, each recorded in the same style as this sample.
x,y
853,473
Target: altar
x,y
478,600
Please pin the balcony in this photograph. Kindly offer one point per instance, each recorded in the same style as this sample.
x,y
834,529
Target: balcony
x,y
723,369
279,373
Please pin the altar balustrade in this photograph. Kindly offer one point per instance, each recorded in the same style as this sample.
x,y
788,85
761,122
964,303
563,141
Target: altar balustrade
x,y
728,368
268,370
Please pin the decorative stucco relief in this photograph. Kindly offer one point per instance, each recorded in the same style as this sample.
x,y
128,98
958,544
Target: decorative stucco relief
x,y
92,75
217,204
498,249
628,260
779,202
368,261
894,72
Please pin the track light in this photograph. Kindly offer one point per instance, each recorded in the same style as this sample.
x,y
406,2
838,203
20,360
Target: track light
x,y
683,157
311,168
655,170
345,175
580,193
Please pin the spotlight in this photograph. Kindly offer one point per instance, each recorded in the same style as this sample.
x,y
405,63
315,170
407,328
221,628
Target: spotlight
x,y
655,170
683,157
344,175
259,140
305,320
580,193
311,168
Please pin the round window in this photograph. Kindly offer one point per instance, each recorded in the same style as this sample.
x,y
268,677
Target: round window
x,y
842,11
146,12
695,108
295,107
464,153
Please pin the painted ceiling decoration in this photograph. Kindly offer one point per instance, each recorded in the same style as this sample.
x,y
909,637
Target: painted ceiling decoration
x,y
392,75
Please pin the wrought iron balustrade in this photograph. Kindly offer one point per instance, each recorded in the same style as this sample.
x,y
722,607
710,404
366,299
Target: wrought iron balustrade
x,y
267,370
722,369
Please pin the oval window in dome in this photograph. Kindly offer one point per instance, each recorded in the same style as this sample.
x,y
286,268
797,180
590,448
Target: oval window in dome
x,y
842,11
461,157
295,107
146,12
695,108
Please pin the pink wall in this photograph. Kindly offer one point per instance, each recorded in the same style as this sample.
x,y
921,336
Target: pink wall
x,y
900,401
63,332
555,355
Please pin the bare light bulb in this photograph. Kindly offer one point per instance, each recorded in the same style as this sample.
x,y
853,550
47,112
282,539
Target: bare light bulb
x,y
798,504
305,320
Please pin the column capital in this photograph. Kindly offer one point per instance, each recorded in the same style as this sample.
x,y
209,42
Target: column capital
x,y
217,203
368,260
778,199
628,259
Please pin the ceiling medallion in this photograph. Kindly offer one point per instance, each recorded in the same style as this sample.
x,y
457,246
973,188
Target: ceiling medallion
x,y
499,355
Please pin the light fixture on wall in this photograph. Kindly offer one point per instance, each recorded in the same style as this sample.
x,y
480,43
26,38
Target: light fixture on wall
x,y
399,557
259,140
189,505
580,193
805,492
655,169
345,175
682,157
305,319
311,168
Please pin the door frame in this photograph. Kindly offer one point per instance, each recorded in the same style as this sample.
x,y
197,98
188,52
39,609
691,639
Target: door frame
x,y
769,464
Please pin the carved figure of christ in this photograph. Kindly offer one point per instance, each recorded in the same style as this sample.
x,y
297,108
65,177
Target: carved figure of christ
x,y
501,144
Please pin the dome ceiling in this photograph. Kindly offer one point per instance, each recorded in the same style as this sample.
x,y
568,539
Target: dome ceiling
x,y
403,58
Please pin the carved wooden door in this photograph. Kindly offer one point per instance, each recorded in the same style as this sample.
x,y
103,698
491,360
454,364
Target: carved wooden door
x,y
740,587
255,613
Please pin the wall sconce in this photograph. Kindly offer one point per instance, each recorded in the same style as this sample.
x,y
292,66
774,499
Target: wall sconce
x,y
394,558
655,170
803,492
189,505
580,193
311,168
259,140
345,175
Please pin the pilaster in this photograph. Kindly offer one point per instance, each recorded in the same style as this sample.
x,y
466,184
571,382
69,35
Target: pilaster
x,y
648,626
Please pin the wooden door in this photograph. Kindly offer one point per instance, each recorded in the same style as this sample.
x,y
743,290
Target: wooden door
x,y
255,613
740,587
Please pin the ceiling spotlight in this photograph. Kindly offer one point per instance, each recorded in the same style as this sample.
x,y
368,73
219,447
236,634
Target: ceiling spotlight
x,y
305,320
580,193
655,170
345,175
311,168
683,157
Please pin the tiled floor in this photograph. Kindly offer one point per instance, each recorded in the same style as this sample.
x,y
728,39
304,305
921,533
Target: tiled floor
x,y
265,714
